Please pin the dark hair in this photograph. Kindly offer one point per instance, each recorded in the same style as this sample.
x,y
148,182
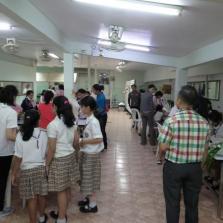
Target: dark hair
x,y
159,108
159,94
188,94
133,85
203,106
82,91
215,116
142,91
31,120
151,86
97,87
48,96
64,110
8,95
89,101
29,92
61,87
43,92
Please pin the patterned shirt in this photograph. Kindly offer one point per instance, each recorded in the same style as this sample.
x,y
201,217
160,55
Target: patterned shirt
x,y
186,134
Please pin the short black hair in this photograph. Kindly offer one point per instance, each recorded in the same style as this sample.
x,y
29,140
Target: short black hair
x,y
188,94
82,91
61,87
133,85
8,95
29,92
215,116
159,94
151,86
89,101
98,87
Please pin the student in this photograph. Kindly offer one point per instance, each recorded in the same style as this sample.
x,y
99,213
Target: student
x,y
134,98
46,110
30,156
28,103
61,159
8,128
101,113
90,165
60,90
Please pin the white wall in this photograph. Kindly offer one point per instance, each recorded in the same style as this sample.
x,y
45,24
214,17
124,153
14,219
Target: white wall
x,y
82,80
159,73
16,72
165,75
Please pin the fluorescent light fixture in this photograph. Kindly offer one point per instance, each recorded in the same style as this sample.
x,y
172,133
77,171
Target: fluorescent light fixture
x,y
104,42
75,77
54,56
5,26
137,5
138,48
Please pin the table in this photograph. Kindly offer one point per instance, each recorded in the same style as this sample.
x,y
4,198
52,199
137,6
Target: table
x,y
220,195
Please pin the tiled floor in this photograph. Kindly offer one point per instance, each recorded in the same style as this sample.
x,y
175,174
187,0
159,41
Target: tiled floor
x,y
131,190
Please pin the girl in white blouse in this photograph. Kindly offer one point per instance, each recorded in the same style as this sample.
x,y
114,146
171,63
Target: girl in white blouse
x,y
90,164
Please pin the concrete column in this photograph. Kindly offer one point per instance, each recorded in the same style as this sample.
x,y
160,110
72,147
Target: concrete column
x,y
89,73
181,80
95,75
68,74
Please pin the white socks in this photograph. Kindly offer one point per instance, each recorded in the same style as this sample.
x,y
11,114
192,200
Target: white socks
x,y
92,204
61,220
42,218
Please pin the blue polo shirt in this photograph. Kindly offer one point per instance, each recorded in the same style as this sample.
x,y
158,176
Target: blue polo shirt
x,y
101,103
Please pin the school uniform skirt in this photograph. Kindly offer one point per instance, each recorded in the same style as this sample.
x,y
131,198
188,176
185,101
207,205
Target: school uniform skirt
x,y
63,173
90,169
33,182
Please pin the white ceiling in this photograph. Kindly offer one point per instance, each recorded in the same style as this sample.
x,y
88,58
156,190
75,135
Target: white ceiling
x,y
199,24
102,63
30,46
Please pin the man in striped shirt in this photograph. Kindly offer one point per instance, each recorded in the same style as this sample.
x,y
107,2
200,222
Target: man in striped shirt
x,y
183,139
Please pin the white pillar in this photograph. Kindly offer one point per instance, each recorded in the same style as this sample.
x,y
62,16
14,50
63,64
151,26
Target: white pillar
x,y
68,74
95,75
180,81
89,73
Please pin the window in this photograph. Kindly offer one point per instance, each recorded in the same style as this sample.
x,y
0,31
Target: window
x,y
210,89
214,90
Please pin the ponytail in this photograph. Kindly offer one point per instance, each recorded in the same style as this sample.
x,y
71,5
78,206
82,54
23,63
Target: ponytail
x,y
31,120
64,110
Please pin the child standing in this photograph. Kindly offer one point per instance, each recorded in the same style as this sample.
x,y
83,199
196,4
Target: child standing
x,y
90,165
61,159
30,153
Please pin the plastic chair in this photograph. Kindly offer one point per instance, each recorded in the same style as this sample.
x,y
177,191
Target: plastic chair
x,y
136,119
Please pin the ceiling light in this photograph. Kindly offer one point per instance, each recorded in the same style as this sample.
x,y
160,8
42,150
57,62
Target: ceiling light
x,y
136,5
104,42
135,47
54,56
5,26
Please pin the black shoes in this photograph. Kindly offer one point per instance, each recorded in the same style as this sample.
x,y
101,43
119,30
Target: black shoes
x,y
53,214
83,202
88,209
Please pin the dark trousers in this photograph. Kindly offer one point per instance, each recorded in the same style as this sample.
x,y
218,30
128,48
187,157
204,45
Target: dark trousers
x,y
103,121
5,164
186,177
148,120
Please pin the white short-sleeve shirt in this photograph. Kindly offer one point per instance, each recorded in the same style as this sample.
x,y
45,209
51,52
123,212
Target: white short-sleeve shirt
x,y
92,131
8,120
64,137
33,151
